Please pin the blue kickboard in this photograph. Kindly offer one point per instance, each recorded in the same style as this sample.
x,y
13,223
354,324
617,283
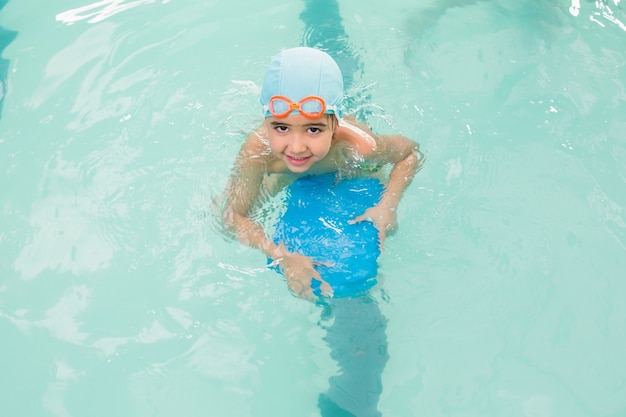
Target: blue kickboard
x,y
315,224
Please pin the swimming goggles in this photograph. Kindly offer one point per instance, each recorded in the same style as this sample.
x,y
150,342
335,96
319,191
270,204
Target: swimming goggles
x,y
311,107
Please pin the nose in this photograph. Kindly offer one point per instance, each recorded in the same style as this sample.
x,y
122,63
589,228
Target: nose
x,y
297,144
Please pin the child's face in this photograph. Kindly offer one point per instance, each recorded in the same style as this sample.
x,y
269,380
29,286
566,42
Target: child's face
x,y
300,142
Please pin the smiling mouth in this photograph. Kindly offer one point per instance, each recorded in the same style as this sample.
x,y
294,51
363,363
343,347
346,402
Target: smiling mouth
x,y
298,160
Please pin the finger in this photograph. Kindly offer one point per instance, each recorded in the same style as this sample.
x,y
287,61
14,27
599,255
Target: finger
x,y
323,263
381,240
301,290
327,290
306,293
316,275
361,218
325,287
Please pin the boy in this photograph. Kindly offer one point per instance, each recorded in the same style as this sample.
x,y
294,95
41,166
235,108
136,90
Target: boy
x,y
304,133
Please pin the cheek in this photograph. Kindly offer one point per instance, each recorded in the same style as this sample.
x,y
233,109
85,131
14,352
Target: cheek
x,y
323,144
276,142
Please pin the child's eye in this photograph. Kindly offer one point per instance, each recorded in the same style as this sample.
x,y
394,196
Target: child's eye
x,y
281,129
314,130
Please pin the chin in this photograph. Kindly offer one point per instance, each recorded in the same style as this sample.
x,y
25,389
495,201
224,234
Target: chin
x,y
298,170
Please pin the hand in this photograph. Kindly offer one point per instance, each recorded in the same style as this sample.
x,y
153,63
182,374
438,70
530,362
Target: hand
x,y
299,272
383,218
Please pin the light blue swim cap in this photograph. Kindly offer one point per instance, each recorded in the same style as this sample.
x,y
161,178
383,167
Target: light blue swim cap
x,y
300,72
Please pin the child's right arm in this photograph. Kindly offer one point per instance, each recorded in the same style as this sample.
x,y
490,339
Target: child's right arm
x,y
242,192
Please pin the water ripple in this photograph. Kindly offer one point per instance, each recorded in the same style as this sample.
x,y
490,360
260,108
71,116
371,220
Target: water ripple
x,y
101,10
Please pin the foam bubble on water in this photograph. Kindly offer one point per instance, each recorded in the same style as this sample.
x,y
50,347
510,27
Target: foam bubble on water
x,y
575,8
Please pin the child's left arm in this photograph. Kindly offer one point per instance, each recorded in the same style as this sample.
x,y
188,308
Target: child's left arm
x,y
407,158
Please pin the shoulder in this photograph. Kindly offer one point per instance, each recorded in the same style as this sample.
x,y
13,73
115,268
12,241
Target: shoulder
x,y
256,145
357,136
381,148
256,155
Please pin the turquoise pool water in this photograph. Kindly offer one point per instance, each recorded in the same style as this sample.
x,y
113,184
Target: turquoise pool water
x,y
504,287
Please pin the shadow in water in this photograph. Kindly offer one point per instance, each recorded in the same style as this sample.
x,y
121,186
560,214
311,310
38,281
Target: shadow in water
x,y
355,333
6,37
323,29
